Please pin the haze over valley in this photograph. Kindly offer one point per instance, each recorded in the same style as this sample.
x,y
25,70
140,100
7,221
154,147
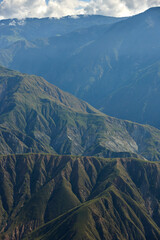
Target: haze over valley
x,y
79,127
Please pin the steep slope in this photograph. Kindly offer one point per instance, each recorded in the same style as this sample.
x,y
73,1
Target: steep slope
x,y
36,116
117,63
122,210
30,109
57,47
103,197
121,69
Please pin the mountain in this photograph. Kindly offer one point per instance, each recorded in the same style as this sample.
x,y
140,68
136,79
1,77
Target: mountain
x,y
121,69
36,116
67,170
117,62
79,197
12,30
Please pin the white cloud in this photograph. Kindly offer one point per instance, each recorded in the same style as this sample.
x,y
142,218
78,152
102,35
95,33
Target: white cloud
x,y
120,8
59,8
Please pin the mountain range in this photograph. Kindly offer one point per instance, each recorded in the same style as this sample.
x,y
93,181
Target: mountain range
x,y
36,116
46,136
79,198
67,170
13,30
116,60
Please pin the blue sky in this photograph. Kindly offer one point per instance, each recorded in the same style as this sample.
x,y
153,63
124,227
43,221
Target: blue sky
x,y
60,8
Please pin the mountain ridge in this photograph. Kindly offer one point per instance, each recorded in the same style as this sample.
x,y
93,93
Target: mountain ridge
x,y
39,117
67,170
104,197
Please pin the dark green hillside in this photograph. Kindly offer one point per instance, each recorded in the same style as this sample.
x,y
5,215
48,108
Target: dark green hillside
x,y
36,116
85,197
34,186
123,205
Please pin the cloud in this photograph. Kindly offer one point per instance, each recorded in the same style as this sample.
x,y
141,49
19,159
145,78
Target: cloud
x,y
59,8
119,8
40,8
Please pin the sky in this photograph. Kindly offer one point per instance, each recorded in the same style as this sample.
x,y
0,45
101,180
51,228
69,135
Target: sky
x,y
59,8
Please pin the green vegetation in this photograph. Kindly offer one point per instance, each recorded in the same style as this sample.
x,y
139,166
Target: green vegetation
x,y
79,197
36,116
68,171
73,197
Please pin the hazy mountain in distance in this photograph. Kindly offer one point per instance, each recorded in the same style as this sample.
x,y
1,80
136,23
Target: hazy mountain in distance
x,y
12,30
67,170
114,67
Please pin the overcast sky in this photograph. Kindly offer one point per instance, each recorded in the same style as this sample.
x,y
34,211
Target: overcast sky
x,y
59,8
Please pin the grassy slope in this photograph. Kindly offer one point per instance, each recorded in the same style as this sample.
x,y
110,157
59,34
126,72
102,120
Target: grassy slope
x,y
34,187
88,197
36,116
121,210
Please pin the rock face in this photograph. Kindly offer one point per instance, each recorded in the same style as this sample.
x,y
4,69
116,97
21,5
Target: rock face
x,y
36,116
85,197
